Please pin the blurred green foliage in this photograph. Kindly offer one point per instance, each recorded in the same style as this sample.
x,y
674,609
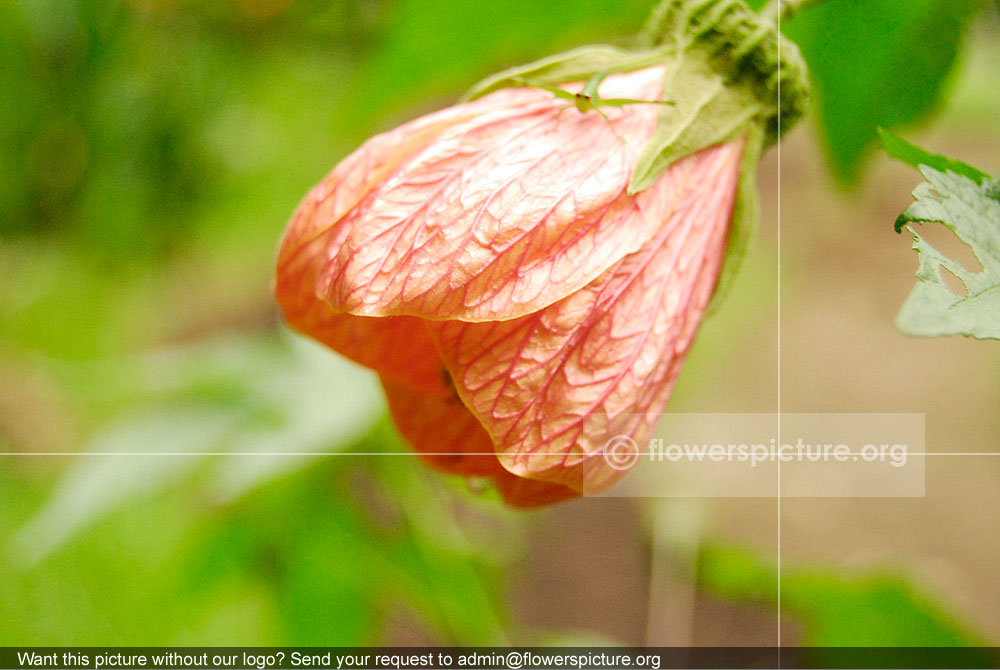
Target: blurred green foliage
x,y
876,63
842,610
150,153
839,610
327,557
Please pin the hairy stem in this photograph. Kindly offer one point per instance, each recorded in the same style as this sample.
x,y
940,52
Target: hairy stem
x,y
652,30
650,34
785,9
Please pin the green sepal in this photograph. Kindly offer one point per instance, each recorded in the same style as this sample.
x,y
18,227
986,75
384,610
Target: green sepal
x,y
729,74
579,64
744,219
725,68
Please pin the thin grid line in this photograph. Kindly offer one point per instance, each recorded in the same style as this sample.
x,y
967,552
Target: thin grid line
x,y
704,459
779,332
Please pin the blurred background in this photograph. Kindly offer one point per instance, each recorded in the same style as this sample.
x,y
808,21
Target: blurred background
x,y
150,155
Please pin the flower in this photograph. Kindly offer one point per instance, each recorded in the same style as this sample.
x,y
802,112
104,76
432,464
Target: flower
x,y
520,306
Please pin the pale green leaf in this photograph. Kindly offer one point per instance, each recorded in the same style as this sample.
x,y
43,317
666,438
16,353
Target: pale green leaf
x,y
972,212
288,401
94,485
325,403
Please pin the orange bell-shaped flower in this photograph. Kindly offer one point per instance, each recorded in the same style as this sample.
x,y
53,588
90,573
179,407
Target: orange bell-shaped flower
x,y
520,306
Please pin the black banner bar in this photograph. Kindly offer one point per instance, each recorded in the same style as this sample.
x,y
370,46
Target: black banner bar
x,y
490,658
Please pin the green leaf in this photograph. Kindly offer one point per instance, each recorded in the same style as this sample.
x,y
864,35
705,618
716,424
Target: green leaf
x,y
838,610
876,63
914,156
971,210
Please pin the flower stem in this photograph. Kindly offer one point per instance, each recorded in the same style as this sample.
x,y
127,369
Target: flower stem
x,y
652,30
786,8
650,33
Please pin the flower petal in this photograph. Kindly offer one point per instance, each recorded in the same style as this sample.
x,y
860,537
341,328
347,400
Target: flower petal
x,y
442,430
552,387
504,213
523,492
397,347
319,219
450,438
